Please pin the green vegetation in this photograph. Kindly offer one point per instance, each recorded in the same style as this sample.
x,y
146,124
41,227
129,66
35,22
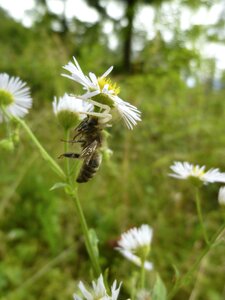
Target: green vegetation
x,y
42,251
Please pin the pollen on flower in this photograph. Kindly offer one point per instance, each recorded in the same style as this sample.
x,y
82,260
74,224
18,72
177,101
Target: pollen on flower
x,y
102,81
6,98
198,171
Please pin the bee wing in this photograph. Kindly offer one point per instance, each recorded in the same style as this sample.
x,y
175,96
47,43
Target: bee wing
x,y
88,151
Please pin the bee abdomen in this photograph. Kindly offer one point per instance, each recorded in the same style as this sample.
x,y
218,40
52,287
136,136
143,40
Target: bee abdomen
x,y
89,170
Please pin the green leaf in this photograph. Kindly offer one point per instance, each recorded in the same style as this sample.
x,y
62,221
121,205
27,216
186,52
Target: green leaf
x,y
159,289
94,241
58,185
176,271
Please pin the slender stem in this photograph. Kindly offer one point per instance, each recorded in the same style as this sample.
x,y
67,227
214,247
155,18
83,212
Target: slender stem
x,y
89,247
74,194
43,152
199,211
67,134
188,276
7,124
142,275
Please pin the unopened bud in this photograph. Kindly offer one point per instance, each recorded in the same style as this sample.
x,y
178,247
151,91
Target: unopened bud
x,y
7,144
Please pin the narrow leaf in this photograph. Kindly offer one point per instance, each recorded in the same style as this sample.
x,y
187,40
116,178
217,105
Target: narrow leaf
x,y
58,185
159,289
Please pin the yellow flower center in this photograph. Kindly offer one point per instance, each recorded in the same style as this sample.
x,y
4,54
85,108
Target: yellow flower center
x,y
105,98
6,98
197,172
111,86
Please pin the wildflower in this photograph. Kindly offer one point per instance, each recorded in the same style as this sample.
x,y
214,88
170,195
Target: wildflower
x,y
135,245
15,99
143,295
69,110
196,173
98,291
103,92
221,196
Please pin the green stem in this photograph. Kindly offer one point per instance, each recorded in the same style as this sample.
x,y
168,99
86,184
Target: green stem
x,y
142,285
89,247
200,217
189,275
67,135
43,152
7,124
74,194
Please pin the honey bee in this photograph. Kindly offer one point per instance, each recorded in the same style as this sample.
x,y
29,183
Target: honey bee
x,y
89,135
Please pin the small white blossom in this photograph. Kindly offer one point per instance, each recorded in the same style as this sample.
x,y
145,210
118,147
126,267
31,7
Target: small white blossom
x,y
71,104
221,196
70,110
107,92
135,245
15,96
143,295
98,291
185,170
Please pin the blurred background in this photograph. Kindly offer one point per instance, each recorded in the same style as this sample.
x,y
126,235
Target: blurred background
x,y
169,61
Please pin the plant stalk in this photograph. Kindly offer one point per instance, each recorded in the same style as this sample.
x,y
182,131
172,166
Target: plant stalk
x,y
88,244
142,285
187,277
55,167
200,217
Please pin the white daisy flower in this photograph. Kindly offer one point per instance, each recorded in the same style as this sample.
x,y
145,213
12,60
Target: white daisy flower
x,y
221,196
15,96
185,170
73,104
135,245
98,291
103,91
69,110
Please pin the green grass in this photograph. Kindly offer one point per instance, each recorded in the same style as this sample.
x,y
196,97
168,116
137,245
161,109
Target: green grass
x,y
42,253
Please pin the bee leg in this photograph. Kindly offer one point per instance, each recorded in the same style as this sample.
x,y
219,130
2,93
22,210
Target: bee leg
x,y
72,141
69,155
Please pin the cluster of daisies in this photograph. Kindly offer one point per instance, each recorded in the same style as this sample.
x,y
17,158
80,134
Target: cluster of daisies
x,y
135,245
100,98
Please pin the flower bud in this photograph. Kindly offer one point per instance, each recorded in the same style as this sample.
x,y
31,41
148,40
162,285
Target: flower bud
x,y
70,110
7,144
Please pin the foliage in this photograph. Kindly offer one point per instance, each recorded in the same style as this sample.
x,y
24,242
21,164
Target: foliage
x,y
41,252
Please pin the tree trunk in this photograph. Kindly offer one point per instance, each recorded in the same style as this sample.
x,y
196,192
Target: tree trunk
x,y
128,31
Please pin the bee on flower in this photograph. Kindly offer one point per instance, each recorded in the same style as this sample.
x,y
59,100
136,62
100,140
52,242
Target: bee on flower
x,y
103,94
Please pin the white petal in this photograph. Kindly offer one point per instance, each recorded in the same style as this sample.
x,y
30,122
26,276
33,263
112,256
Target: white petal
x,y
107,72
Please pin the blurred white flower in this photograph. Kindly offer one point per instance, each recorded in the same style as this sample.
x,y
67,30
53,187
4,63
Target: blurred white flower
x,y
143,295
103,91
135,245
72,104
98,291
221,196
185,170
69,110
15,96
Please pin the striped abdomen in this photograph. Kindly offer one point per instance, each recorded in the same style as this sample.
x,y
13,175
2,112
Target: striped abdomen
x,y
88,170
